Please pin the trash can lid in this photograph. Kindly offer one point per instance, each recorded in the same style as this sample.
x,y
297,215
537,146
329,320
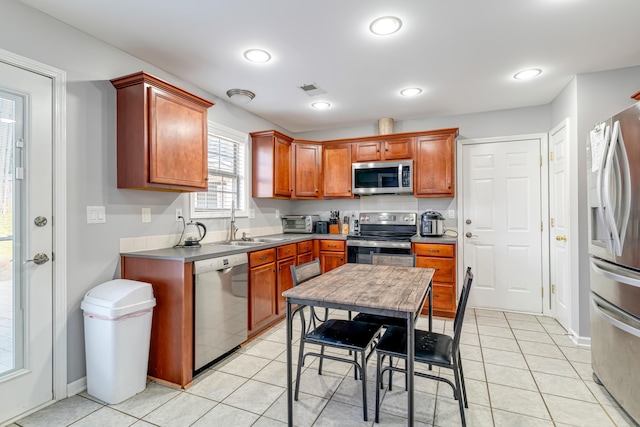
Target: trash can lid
x,y
119,297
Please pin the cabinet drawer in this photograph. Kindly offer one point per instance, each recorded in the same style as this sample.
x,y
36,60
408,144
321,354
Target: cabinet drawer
x,y
433,250
304,247
445,267
262,257
332,245
443,298
286,251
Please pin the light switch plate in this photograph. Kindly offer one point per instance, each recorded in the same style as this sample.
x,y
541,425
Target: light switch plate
x,y
252,213
96,215
146,214
452,213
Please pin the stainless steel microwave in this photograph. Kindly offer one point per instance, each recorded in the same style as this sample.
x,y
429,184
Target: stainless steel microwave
x,y
382,177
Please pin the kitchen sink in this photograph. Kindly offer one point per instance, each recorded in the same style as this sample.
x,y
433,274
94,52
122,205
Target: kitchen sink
x,y
243,243
270,239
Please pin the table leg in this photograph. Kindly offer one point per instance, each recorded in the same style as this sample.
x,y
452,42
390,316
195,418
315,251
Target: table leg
x,y
289,364
431,307
410,360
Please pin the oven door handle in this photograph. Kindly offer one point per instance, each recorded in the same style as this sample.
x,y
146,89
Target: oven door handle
x,y
379,244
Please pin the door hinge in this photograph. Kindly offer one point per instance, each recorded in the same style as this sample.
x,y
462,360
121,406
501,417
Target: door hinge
x,y
553,289
19,173
551,155
553,222
541,226
542,289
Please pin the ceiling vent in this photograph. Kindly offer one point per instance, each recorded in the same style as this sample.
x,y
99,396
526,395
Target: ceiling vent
x,y
312,89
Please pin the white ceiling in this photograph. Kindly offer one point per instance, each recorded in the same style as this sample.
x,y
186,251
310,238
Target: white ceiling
x,y
463,53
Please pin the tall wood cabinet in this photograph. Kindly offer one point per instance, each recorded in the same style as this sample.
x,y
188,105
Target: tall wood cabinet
x,y
337,171
441,257
161,135
306,166
262,288
271,165
434,164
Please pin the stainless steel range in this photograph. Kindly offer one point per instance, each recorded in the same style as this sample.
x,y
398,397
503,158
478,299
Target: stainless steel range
x,y
382,232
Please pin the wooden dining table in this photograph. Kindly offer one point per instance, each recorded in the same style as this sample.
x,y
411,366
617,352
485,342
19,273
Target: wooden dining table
x,y
375,289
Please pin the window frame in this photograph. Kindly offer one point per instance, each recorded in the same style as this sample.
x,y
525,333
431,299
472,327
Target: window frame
x,y
224,132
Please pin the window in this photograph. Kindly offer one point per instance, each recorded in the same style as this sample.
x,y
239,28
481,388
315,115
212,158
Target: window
x,y
227,175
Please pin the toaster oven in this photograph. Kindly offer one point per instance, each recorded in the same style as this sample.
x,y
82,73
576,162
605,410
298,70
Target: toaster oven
x,y
299,223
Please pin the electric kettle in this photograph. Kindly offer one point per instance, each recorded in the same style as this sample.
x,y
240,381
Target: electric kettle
x,y
194,232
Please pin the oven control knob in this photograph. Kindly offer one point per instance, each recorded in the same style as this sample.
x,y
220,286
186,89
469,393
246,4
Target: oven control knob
x,y
366,218
407,219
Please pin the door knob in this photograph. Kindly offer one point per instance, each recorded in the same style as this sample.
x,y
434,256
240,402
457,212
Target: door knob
x,y
561,238
40,221
469,235
38,259
468,221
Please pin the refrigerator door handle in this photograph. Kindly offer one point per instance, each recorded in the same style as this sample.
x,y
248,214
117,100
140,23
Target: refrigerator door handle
x,y
599,190
601,310
608,272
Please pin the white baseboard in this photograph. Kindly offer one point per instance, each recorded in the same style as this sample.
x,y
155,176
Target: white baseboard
x,y
580,341
78,386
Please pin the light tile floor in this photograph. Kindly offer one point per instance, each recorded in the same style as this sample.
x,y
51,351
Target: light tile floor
x,y
520,370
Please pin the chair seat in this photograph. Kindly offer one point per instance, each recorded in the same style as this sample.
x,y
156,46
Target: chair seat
x,y
381,320
347,334
430,347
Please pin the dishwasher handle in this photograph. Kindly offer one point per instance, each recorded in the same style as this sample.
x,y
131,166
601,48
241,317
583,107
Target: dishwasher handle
x,y
222,264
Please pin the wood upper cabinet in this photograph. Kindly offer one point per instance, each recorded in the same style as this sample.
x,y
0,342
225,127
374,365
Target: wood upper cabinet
x,y
271,165
307,170
337,170
161,134
434,161
391,148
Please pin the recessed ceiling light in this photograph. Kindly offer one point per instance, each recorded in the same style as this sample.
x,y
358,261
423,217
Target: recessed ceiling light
x,y
385,25
411,91
257,55
527,74
321,105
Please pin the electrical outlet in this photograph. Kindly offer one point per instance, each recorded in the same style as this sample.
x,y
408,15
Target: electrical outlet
x,y
277,213
452,213
178,214
252,213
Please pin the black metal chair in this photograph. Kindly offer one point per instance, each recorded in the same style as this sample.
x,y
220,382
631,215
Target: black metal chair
x,y
351,335
399,260
430,348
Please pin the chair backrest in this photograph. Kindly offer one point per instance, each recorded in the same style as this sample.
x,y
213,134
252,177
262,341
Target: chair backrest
x,y
304,272
462,306
399,260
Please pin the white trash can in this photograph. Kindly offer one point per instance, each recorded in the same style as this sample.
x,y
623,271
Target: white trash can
x,y
117,331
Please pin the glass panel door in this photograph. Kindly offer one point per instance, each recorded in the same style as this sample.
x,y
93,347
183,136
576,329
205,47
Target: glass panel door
x,y
11,155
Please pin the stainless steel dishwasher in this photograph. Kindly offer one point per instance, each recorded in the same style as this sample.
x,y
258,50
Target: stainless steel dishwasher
x,y
220,307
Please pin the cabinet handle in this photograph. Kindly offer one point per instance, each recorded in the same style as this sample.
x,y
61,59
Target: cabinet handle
x,y
287,251
317,189
263,257
349,190
341,259
433,250
274,270
280,269
436,295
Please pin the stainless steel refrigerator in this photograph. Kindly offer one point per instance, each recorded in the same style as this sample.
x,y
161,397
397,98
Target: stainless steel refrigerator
x,y
614,248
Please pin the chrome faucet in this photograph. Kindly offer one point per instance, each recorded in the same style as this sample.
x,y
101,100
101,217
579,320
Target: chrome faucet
x,y
232,226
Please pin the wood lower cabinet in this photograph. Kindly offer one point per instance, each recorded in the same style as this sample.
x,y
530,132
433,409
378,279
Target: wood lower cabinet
x,y
306,164
286,255
271,165
332,254
171,346
305,252
442,258
434,164
162,139
262,288
337,171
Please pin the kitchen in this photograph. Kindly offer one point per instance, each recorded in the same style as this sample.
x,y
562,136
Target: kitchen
x,y
92,250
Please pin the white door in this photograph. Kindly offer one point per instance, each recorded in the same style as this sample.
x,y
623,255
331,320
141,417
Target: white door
x,y
502,224
559,213
26,275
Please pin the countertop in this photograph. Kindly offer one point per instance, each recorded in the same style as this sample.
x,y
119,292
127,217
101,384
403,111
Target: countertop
x,y
218,249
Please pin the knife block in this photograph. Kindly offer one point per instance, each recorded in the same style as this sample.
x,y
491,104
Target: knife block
x,y
334,229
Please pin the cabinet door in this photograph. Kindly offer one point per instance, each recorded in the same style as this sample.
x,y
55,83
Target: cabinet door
x,y
262,292
434,166
285,281
331,260
305,258
282,169
307,168
337,170
177,140
366,151
396,149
